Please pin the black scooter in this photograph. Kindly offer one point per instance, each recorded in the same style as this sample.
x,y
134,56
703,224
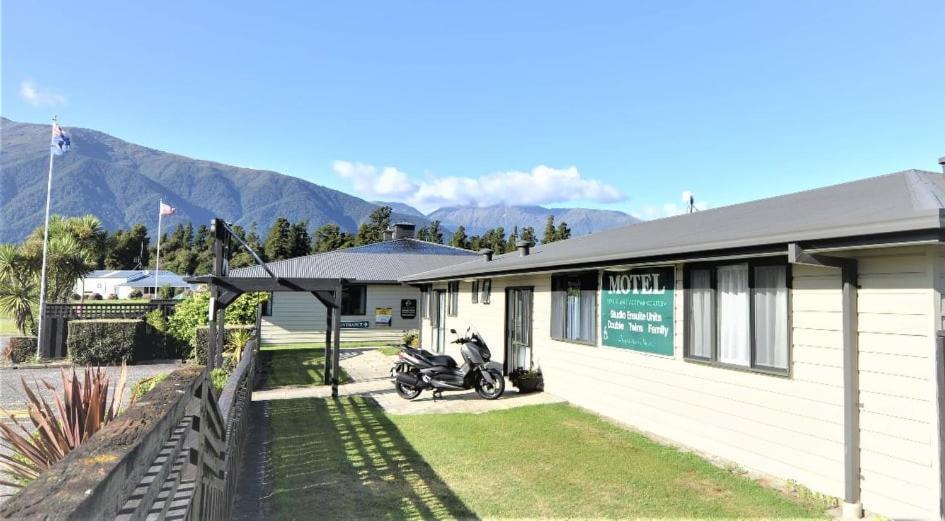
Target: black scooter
x,y
418,369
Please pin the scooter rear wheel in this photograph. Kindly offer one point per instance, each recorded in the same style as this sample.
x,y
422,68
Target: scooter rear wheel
x,y
405,392
491,391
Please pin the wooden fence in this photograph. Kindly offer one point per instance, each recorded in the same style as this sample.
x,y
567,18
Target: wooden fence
x,y
175,454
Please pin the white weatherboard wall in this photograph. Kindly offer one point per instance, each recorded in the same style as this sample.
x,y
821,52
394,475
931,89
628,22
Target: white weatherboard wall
x,y
298,317
787,426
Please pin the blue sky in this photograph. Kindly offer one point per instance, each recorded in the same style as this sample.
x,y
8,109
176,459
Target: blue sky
x,y
614,105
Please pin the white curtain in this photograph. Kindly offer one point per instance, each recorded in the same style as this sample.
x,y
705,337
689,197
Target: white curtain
x,y
771,300
701,313
733,315
574,314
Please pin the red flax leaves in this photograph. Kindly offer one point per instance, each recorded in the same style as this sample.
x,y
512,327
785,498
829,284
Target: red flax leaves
x,y
60,427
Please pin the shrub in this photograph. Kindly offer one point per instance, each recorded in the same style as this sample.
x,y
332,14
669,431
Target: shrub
x,y
111,296
57,431
20,349
165,345
166,292
411,338
75,296
112,341
95,296
192,312
201,341
218,378
144,385
135,293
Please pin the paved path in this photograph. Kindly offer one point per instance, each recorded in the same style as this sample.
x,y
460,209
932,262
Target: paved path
x,y
370,374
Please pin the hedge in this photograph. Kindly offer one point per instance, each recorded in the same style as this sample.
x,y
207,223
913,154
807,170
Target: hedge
x,y
113,341
20,349
199,354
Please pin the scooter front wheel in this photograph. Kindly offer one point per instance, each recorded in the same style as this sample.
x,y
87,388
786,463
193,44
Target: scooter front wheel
x,y
493,390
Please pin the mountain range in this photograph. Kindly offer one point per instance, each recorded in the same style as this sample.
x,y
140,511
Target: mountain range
x,y
121,182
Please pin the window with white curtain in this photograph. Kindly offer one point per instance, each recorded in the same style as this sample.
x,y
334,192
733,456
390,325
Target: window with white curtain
x,y
737,315
574,307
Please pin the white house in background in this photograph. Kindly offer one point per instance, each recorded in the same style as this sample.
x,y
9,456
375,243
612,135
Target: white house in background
x,y
375,306
122,282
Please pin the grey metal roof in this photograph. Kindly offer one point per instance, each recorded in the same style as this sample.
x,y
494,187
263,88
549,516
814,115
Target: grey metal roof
x,y
906,201
166,279
126,274
379,262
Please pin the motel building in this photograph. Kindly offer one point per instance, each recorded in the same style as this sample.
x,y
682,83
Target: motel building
x,y
797,336
375,307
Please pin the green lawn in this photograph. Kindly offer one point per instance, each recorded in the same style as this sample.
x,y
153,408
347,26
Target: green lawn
x,y
346,459
7,326
296,365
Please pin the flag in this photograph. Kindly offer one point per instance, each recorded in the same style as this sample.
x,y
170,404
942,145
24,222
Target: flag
x,y
167,209
60,140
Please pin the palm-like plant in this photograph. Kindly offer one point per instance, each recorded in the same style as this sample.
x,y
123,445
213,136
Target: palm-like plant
x,y
81,411
18,287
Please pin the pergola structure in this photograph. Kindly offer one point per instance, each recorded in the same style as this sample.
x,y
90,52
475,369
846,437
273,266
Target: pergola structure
x,y
225,289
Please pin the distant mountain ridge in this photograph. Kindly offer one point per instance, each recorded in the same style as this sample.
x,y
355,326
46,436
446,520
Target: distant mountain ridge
x,y
477,220
121,183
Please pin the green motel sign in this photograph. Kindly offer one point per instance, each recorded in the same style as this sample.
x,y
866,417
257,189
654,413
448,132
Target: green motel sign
x,y
637,309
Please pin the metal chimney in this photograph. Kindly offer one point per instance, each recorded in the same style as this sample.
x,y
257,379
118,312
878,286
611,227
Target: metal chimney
x,y
388,234
487,253
941,162
523,247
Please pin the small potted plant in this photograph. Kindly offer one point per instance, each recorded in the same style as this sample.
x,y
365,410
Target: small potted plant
x,y
527,380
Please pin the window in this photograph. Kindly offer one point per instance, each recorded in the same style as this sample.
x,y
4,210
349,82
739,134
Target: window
x,y
574,307
452,306
353,300
475,291
737,315
267,306
486,291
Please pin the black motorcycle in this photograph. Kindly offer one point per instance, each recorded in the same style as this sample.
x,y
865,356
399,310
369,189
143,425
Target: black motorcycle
x,y
418,369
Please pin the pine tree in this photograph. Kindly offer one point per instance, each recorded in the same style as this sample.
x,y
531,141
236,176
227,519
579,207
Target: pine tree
x,y
475,243
459,239
372,230
431,233
279,240
563,232
513,238
301,240
550,232
528,234
330,237
128,248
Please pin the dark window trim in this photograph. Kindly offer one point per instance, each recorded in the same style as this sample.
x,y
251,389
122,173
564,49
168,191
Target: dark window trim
x,y
267,306
362,309
753,366
486,287
452,298
474,291
597,284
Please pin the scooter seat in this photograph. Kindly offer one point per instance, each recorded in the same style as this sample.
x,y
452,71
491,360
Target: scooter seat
x,y
444,360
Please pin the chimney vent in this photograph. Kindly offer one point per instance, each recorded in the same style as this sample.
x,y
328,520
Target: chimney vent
x,y
388,234
941,161
487,253
404,231
523,247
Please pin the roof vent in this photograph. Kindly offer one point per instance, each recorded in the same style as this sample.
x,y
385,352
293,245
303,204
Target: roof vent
x,y
523,247
487,253
388,234
941,161
404,231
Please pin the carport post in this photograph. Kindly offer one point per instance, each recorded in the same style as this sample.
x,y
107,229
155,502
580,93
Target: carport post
x,y
336,348
328,326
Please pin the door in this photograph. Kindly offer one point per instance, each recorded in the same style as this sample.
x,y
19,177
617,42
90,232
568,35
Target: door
x,y
518,328
438,320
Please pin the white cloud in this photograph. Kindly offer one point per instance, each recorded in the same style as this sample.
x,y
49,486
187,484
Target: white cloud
x,y
38,97
669,209
540,185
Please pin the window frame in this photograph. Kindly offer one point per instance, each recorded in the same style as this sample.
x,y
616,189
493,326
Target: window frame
x,y
474,291
597,284
268,305
362,289
753,366
452,298
486,289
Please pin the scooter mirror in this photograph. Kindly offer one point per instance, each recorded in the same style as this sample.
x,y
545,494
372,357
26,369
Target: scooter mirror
x,y
453,331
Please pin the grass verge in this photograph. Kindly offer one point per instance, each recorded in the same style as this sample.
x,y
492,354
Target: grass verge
x,y
346,459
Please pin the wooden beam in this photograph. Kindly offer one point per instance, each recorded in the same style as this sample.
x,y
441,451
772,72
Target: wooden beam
x,y
336,348
226,297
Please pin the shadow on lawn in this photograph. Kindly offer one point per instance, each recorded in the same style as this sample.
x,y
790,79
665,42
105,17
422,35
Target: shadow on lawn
x,y
295,367
343,459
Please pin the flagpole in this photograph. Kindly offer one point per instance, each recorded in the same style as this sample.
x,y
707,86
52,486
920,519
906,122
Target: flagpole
x,y
157,265
42,277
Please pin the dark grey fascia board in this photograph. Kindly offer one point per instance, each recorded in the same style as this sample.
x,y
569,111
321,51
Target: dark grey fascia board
x,y
927,236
